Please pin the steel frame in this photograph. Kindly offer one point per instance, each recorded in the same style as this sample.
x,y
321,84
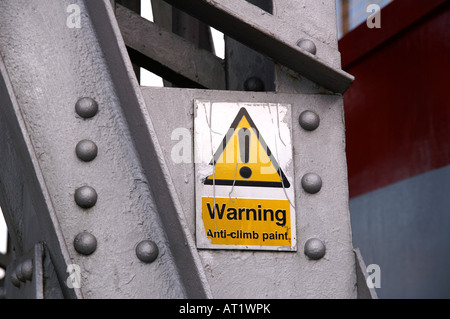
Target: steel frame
x,y
147,196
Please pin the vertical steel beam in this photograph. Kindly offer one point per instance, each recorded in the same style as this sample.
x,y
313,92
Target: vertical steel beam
x,y
183,25
135,6
247,69
192,30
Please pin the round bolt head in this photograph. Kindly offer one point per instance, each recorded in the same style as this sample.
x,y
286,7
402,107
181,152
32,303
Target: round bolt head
x,y
85,243
19,273
86,150
309,120
26,270
86,107
307,45
15,281
314,248
86,197
254,84
311,183
147,251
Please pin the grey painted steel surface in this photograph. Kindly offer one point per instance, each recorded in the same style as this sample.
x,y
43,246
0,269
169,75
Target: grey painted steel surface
x,y
25,199
184,25
51,66
316,18
142,195
30,284
192,29
186,60
247,69
273,36
325,215
364,292
404,228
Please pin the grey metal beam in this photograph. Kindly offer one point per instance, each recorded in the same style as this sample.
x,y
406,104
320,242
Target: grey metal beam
x,y
26,202
192,29
318,19
162,14
51,66
247,69
135,6
149,153
272,36
173,58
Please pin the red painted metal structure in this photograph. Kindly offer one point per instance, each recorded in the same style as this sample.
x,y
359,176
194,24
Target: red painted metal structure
x,y
398,109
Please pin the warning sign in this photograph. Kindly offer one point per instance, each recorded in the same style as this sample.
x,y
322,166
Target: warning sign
x,y
243,160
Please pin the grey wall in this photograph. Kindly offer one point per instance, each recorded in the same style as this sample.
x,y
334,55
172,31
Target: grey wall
x,y
405,229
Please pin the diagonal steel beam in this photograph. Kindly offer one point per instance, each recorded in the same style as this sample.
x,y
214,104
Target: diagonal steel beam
x,y
60,71
272,36
173,58
21,177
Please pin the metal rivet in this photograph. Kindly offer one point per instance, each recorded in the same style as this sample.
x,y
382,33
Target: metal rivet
x,y
15,281
314,248
86,150
307,45
254,84
86,107
19,274
147,251
311,183
85,243
26,270
86,197
309,120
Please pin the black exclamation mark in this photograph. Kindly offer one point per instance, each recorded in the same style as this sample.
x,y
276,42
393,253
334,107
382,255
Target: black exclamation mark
x,y
244,150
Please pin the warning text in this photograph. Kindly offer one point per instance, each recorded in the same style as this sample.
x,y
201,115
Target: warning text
x,y
261,222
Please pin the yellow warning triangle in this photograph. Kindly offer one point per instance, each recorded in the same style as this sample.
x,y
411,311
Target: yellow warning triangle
x,y
244,159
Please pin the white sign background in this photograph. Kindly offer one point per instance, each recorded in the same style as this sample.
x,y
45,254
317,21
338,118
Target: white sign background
x,y
212,122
